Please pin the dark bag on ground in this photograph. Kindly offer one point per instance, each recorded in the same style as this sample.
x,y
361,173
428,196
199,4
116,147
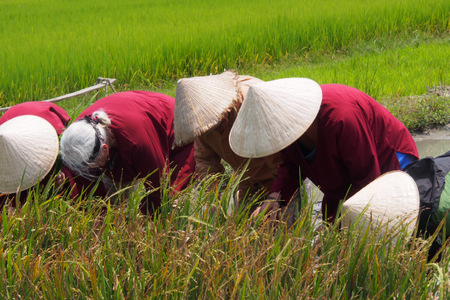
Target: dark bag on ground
x,y
430,175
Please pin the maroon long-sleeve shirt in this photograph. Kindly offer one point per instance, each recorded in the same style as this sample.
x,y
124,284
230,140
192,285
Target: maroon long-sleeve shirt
x,y
142,124
51,112
357,141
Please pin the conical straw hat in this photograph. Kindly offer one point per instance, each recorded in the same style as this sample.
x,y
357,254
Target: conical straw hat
x,y
28,151
390,203
274,114
200,103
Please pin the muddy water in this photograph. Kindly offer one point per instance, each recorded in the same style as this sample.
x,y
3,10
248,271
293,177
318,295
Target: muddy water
x,y
434,142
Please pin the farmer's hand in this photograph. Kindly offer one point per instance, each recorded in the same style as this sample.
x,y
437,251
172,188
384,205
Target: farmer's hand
x,y
59,179
270,207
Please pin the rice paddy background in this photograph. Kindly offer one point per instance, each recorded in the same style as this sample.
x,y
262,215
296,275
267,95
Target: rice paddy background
x,y
91,248
50,48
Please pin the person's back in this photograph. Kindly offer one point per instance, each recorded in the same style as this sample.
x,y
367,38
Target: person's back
x,y
358,140
51,112
144,121
349,106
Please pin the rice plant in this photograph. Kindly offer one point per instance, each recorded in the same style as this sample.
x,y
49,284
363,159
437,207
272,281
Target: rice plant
x,y
104,248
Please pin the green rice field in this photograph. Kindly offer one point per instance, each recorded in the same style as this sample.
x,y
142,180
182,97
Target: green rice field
x,y
50,48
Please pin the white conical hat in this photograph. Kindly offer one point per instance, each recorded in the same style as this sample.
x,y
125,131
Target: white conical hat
x,y
200,103
274,114
28,151
391,203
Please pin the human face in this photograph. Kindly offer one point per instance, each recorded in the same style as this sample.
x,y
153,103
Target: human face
x,y
97,167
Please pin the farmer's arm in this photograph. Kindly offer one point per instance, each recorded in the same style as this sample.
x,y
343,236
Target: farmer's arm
x,y
283,188
287,180
206,159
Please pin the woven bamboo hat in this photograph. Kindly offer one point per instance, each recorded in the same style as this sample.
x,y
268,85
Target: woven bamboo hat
x,y
273,115
201,102
390,203
28,151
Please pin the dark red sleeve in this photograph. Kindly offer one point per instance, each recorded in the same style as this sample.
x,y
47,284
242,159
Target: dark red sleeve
x,y
79,185
149,164
183,163
357,150
288,177
144,153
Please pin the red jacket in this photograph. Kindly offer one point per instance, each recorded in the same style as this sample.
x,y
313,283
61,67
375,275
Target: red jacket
x,y
51,112
357,142
142,123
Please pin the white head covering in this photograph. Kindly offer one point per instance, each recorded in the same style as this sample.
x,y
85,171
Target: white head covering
x,y
274,114
389,203
28,151
201,102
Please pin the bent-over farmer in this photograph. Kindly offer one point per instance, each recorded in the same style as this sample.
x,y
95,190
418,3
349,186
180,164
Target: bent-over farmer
x,y
128,136
205,110
337,136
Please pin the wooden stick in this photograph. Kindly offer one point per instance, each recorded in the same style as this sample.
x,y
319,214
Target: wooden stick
x,y
101,83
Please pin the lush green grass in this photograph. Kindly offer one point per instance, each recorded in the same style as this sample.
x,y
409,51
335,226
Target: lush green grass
x,y
397,73
390,67
406,72
51,48
54,249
